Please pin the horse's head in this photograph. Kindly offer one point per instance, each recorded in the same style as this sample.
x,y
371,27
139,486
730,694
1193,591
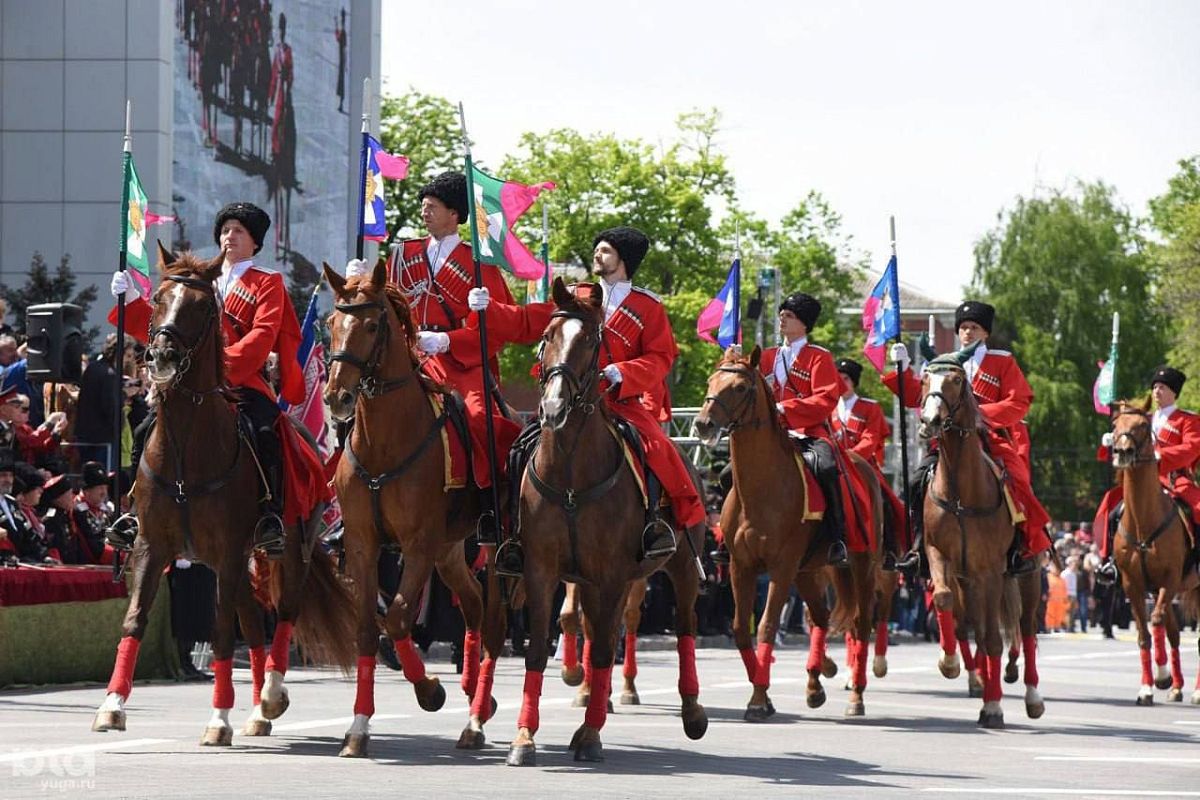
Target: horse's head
x,y
947,402
569,356
730,399
1132,435
366,311
186,317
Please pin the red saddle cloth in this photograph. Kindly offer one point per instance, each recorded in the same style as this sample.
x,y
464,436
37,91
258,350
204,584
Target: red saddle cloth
x,y
304,482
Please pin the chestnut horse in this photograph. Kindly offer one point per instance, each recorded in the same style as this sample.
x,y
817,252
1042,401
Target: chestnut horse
x,y
391,485
766,530
1150,549
968,530
197,492
582,517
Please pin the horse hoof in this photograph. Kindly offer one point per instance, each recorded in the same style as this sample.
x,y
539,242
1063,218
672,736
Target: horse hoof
x,y
522,755
217,737
431,695
257,727
493,707
1175,696
855,710
609,707
590,751
1195,699
757,714
274,710
630,699
571,677
770,708
108,721
1145,700
829,668
849,684
581,701
991,719
879,666
1162,683
471,739
1035,710
815,699
1010,673
949,671
354,745
695,722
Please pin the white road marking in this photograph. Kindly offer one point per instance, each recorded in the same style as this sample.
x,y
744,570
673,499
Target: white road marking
x,y
331,722
115,744
1118,759
1027,791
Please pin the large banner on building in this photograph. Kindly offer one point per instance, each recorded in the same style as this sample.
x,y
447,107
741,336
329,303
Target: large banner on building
x,y
261,115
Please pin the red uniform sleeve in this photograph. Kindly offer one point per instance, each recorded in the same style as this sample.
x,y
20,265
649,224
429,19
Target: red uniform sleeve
x,y
247,356
806,412
507,323
870,440
1015,398
1184,454
912,386
648,371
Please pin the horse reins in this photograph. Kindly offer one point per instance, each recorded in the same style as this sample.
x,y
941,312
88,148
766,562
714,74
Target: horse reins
x,y
172,332
370,384
735,417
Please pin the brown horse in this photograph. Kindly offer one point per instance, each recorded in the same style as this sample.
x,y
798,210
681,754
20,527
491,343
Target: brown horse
x,y
968,529
1150,548
197,495
768,530
578,673
391,484
582,517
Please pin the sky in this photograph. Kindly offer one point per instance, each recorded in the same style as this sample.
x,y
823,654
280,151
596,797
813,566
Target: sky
x,y
940,114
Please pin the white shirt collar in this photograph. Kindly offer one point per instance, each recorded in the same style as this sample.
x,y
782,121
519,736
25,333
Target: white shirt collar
x,y
438,250
844,406
614,295
972,366
1160,418
785,356
231,275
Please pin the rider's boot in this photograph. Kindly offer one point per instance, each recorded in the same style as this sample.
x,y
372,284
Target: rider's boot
x,y
269,532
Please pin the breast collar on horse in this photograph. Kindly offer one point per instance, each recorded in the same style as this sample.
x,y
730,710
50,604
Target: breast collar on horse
x,y
179,490
1143,546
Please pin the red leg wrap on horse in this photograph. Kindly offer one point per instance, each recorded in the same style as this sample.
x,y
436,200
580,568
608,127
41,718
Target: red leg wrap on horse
x,y
364,694
881,638
1160,644
122,675
751,663
992,691
278,659
470,662
945,620
1147,675
410,660
816,648
1029,652
597,710
570,658
968,657
222,670
860,664
689,681
531,696
587,662
481,705
629,669
1176,669
765,655
258,666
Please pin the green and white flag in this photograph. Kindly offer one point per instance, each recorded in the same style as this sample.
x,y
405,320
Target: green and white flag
x,y
133,227
495,206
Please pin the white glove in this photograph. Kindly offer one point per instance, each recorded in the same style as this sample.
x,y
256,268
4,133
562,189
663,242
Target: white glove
x,y
900,354
433,342
182,563
613,373
122,285
779,408
1107,439
356,267
478,299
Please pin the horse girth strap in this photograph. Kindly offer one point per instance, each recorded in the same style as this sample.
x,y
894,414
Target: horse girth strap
x,y
959,510
1144,545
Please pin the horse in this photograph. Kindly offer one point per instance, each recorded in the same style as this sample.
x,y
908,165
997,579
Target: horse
x,y
1150,549
578,673
579,475
768,528
968,530
886,583
391,485
197,495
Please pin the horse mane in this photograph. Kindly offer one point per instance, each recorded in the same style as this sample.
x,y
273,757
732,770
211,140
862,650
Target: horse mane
x,y
403,311
188,264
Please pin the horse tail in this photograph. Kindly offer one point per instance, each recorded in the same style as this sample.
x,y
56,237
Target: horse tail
x,y
845,607
1189,603
326,623
1010,611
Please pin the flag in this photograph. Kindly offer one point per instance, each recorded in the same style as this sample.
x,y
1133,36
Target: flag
x,y
158,219
496,206
724,312
1104,390
881,315
133,228
311,412
380,165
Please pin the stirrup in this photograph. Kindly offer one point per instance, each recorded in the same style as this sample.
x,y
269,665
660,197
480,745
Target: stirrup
x,y
720,555
838,557
1106,573
1019,565
510,559
269,536
889,562
122,532
658,540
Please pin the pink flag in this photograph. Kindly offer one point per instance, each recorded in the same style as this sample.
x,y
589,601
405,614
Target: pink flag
x,y
392,167
158,219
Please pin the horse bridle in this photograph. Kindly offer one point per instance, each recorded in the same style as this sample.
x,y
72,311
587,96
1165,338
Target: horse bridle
x,y
736,417
172,332
370,385
582,389
952,409
1138,446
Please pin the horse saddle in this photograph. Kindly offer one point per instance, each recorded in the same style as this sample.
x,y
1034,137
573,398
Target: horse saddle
x,y
1181,508
818,463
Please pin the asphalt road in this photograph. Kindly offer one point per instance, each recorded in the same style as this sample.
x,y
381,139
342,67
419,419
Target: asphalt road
x,y
919,736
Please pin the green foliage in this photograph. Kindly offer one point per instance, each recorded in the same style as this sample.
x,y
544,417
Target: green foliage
x,y
42,287
1176,214
1056,268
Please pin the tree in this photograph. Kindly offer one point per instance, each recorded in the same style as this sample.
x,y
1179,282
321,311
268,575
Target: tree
x,y
42,287
1176,215
1056,268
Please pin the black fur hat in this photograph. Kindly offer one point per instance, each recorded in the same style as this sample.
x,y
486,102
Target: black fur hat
x,y
850,368
806,308
26,477
1171,377
56,487
977,312
253,219
451,189
94,475
630,243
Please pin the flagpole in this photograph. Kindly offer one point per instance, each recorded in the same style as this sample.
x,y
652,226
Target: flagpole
x,y
737,284
362,168
119,353
1112,356
546,250
489,521
903,405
